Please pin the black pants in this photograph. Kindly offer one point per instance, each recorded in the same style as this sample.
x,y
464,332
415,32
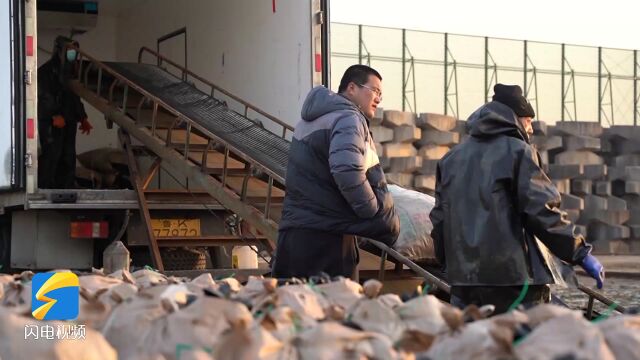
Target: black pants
x,y
303,253
57,161
500,296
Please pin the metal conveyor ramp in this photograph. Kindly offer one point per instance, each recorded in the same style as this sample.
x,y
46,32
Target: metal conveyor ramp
x,y
188,126
246,137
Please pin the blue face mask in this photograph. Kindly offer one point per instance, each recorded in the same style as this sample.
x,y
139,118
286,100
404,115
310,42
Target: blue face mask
x,y
71,55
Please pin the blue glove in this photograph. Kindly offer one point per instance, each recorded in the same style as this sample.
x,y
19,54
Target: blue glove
x,y
592,266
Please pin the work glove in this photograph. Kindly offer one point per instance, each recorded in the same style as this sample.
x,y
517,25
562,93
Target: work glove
x,y
85,126
58,121
592,266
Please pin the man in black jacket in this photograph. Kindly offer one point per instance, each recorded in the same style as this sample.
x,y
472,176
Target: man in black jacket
x,y
59,113
497,214
335,186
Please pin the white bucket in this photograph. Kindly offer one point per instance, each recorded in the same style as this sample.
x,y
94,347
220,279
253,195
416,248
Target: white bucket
x,y
244,257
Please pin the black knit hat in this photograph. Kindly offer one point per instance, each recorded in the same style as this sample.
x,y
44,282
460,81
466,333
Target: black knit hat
x,y
511,95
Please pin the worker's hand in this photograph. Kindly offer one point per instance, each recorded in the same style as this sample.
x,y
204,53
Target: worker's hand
x,y
593,267
85,126
58,121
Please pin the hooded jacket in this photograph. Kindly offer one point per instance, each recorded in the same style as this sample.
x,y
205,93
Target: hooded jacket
x,y
492,201
54,97
334,179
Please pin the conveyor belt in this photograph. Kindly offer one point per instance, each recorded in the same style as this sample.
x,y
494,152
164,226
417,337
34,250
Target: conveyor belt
x,y
259,144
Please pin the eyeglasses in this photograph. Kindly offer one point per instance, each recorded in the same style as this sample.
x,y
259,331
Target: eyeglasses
x,y
373,90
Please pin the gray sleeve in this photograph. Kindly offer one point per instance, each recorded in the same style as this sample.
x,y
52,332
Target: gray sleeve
x,y
347,164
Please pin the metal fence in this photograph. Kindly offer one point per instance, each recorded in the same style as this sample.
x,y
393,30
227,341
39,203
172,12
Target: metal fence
x,y
454,74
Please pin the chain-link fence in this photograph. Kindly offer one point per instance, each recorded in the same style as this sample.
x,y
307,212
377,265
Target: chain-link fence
x,y
454,74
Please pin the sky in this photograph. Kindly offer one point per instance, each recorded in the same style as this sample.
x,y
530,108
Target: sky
x,y
611,23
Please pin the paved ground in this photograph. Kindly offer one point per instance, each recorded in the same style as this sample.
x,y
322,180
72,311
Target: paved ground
x,y
624,291
622,283
625,263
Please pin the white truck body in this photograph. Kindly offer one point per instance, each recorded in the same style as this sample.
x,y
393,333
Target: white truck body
x,y
269,53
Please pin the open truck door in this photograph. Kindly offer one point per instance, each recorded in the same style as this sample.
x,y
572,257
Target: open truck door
x,y
267,55
320,42
12,80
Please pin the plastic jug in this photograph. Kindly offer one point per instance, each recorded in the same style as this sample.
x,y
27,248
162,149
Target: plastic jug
x,y
244,257
115,257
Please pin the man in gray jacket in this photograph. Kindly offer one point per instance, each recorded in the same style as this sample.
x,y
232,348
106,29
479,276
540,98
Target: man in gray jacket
x,y
336,189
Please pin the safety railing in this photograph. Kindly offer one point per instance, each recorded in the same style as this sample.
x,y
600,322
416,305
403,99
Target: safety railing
x,y
454,74
185,73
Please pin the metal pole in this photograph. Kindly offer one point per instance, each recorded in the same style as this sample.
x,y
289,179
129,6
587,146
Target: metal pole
x,y
404,66
186,45
455,73
575,100
267,207
599,85
383,262
526,92
635,87
125,141
535,82
486,69
437,282
359,44
413,76
590,308
99,86
446,68
600,297
562,85
610,98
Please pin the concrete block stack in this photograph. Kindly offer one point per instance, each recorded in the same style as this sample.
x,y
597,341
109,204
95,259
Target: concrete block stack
x,y
580,142
595,171
396,133
623,157
544,142
439,134
409,147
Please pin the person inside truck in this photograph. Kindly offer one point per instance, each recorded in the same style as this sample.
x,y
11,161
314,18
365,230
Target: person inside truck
x,y
60,111
336,189
497,214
